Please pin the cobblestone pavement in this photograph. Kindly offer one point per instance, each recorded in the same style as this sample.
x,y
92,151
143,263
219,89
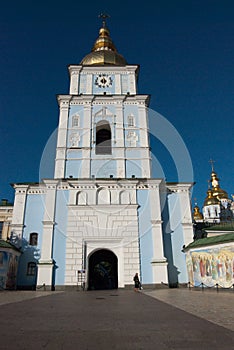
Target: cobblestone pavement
x,y
8,297
117,320
216,307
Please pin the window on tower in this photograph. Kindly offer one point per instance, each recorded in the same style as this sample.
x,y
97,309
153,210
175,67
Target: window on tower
x,y
31,269
75,121
131,121
33,238
103,138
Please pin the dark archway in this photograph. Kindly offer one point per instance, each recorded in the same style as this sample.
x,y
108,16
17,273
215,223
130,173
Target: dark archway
x,y
103,270
103,138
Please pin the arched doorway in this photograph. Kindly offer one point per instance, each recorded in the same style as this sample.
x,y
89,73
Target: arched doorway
x,y
103,270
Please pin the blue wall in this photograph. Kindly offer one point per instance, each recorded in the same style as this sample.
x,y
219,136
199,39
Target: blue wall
x,y
173,241
34,213
146,243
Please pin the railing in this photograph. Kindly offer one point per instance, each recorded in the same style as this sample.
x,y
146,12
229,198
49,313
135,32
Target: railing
x,y
40,287
203,286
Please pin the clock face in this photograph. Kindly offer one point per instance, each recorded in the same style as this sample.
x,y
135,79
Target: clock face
x,y
103,80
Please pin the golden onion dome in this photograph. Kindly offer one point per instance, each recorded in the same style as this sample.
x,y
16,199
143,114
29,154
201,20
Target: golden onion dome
x,y
104,51
210,199
197,215
219,193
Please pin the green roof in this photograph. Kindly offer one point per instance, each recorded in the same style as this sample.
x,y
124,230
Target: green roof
x,y
5,244
228,237
229,226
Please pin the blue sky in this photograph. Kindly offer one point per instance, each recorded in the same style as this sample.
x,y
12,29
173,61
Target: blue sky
x,y
185,50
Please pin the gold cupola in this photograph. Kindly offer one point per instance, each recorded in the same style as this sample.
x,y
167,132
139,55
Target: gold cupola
x,y
218,192
210,199
104,51
197,215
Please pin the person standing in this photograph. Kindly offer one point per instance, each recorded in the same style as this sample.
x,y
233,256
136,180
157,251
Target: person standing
x,y
137,283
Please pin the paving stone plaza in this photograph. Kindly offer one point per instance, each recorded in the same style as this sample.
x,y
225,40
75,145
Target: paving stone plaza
x,y
117,319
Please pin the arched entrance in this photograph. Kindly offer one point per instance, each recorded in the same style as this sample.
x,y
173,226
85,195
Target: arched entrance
x,y
103,270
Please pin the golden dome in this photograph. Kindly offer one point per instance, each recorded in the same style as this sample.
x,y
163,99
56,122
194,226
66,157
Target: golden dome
x,y
210,199
197,215
104,51
217,191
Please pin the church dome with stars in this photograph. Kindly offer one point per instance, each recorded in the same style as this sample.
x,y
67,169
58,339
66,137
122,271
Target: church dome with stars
x,y
104,51
197,215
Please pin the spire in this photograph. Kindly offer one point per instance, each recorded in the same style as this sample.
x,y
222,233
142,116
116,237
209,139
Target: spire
x,y
104,51
104,41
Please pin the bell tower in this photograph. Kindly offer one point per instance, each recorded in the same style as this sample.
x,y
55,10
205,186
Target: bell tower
x,y
103,122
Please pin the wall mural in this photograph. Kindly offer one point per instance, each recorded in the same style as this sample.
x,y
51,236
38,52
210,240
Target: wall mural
x,y
211,266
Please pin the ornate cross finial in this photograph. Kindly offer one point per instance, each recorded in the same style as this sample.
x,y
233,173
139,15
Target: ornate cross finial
x,y
104,16
211,161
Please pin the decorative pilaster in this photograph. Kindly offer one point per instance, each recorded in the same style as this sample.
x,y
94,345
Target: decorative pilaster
x,y
158,262
17,225
64,102
74,72
87,140
119,129
186,213
46,262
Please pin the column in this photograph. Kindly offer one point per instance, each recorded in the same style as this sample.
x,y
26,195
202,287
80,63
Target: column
x,y
144,140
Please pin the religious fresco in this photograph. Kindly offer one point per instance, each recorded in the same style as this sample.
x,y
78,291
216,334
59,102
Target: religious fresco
x,y
211,266
8,270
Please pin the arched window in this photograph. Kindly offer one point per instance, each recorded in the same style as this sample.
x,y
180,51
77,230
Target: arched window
x,y
31,269
131,121
75,121
33,238
103,138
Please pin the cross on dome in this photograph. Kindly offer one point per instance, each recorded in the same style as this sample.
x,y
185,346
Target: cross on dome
x,y
211,161
104,16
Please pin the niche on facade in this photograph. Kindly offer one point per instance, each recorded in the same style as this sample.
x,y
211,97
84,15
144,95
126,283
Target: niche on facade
x,y
132,138
74,139
103,196
81,198
124,197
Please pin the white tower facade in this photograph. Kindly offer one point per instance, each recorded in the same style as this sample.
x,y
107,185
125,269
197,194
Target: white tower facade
x,y
103,127
103,213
